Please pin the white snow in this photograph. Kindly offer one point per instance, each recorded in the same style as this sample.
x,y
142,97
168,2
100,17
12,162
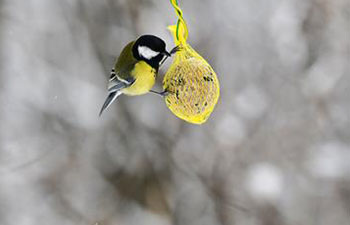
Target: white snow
x,y
264,181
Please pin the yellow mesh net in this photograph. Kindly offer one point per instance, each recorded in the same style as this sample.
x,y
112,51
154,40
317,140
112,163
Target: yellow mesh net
x,y
192,85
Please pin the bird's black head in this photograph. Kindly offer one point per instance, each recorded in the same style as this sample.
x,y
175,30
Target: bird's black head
x,y
150,49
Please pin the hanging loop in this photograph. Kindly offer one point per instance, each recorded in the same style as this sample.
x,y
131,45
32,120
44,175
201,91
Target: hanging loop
x,y
180,22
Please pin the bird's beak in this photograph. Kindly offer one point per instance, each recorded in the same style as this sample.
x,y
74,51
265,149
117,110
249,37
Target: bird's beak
x,y
175,49
166,53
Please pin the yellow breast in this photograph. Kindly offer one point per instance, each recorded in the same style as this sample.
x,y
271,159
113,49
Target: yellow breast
x,y
145,77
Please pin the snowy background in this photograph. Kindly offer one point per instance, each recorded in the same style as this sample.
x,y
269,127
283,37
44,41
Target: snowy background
x,y
276,151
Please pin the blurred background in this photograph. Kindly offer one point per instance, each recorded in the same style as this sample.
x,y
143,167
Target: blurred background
x,y
276,150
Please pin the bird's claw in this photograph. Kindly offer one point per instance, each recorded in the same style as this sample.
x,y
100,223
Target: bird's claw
x,y
162,94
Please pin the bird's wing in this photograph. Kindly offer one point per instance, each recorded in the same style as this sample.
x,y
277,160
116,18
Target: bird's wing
x,y
120,77
125,62
114,86
116,83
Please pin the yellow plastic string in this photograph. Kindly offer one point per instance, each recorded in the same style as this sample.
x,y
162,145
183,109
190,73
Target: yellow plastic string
x,y
180,22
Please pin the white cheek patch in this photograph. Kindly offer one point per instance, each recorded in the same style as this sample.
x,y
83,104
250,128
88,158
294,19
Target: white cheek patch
x,y
146,52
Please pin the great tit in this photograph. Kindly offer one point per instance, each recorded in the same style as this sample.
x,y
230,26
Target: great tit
x,y
136,68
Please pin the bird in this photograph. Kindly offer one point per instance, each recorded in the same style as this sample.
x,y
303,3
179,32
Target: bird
x,y
136,68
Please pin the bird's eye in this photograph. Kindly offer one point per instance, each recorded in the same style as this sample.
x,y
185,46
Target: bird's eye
x,y
146,52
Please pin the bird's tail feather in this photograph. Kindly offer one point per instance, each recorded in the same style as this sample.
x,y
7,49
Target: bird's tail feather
x,y
109,100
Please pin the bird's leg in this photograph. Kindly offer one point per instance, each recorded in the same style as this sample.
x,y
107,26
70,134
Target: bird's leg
x,y
162,94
